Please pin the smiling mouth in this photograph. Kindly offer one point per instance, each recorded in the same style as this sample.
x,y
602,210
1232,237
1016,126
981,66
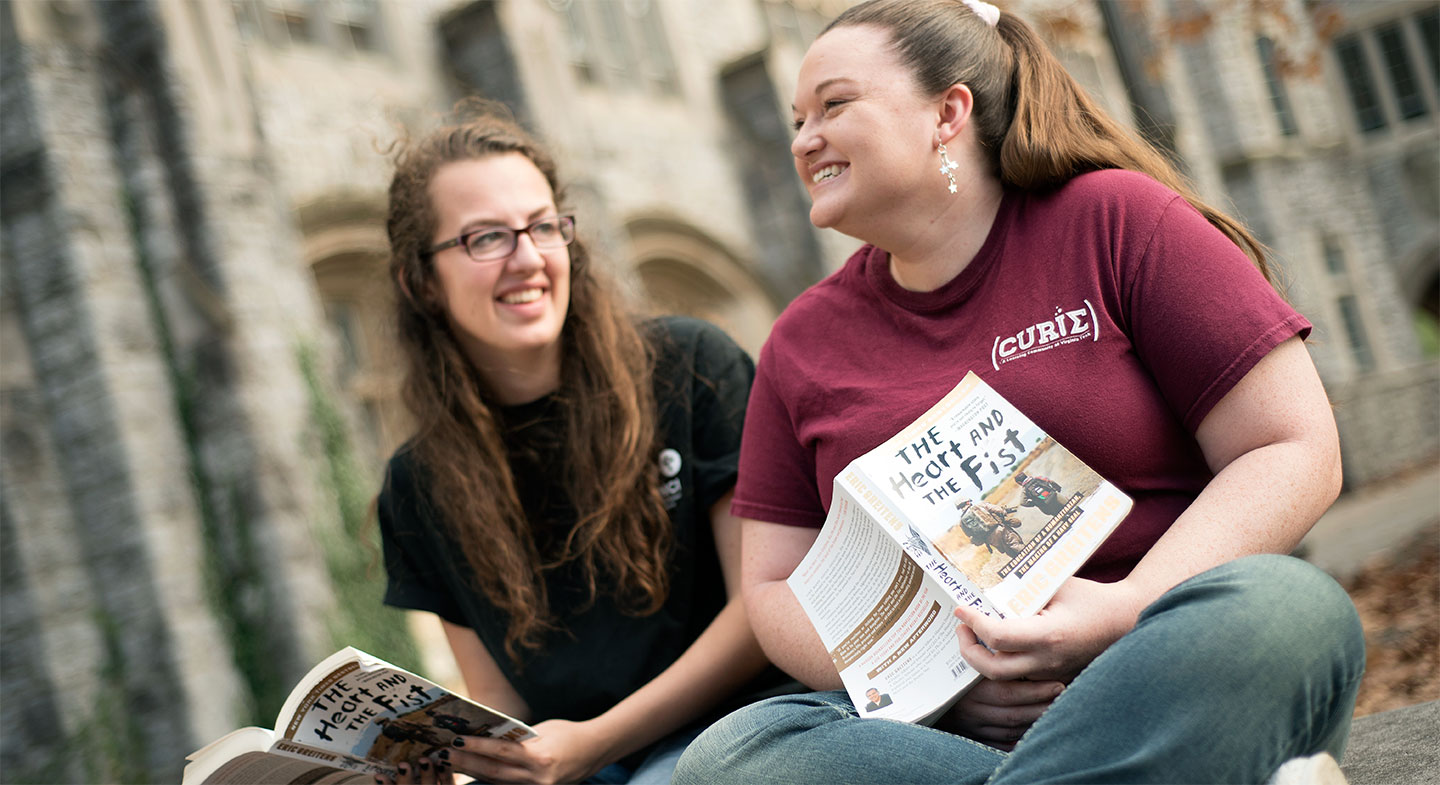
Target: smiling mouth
x,y
828,173
521,297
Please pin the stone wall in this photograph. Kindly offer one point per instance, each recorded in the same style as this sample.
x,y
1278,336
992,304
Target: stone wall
x,y
161,475
1389,423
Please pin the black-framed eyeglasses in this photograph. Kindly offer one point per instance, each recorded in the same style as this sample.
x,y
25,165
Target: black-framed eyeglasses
x,y
492,243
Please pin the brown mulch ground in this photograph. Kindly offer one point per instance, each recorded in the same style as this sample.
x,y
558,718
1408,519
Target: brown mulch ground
x,y
1399,601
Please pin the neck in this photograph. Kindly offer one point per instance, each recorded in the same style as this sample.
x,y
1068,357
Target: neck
x,y
932,254
515,380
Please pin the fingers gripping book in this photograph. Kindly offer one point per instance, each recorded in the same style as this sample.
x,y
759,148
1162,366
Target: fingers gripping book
x,y
352,717
970,504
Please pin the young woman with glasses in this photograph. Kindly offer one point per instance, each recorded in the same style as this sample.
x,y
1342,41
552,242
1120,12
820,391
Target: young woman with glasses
x,y
563,505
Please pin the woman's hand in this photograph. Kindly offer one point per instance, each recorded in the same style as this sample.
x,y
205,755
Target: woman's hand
x,y
1029,661
564,752
1079,623
999,712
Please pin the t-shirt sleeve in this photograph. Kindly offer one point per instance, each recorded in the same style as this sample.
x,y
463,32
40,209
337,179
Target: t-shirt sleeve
x,y
777,473
407,538
1201,314
723,375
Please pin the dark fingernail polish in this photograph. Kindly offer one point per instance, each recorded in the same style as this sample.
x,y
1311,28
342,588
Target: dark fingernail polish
x,y
444,754
424,764
404,768
458,742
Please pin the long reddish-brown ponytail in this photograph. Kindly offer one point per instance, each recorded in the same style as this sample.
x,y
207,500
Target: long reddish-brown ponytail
x,y
1037,124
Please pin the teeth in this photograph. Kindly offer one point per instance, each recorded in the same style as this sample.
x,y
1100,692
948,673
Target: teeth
x,y
828,172
522,296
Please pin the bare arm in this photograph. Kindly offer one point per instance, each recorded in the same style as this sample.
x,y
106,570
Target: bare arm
x,y
1272,444
771,553
724,658
483,679
1275,452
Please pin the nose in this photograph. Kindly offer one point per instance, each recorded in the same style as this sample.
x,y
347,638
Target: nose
x,y
526,256
806,142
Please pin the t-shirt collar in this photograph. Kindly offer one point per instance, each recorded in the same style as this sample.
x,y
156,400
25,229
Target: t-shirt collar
x,y
955,291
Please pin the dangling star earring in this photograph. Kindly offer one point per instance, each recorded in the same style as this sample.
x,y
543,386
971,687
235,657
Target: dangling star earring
x,y
947,167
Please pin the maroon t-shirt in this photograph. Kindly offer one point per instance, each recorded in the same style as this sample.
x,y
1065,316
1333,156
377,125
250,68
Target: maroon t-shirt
x,y
1109,311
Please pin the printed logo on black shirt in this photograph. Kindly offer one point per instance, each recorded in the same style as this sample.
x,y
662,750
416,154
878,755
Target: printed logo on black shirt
x,y
670,488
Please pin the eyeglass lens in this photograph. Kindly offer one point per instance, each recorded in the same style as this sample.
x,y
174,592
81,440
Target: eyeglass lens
x,y
501,241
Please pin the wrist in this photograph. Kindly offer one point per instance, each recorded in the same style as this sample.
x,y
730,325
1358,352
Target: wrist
x,y
607,736
1130,600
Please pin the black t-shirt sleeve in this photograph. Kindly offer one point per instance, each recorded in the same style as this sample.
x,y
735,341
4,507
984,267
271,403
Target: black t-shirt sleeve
x,y
408,541
719,389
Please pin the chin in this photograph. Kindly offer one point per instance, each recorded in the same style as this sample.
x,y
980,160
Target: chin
x,y
821,218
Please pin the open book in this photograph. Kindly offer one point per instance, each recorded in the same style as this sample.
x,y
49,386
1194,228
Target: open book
x,y
970,504
353,716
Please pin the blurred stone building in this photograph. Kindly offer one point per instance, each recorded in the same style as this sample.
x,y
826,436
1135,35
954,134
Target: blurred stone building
x,y
193,197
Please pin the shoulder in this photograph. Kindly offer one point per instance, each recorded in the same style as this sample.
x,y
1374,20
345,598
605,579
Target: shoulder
x,y
684,331
693,356
1116,186
1110,196
686,342
1114,212
402,474
810,320
403,502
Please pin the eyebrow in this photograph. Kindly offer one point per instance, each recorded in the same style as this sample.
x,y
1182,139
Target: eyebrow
x,y
819,88
491,223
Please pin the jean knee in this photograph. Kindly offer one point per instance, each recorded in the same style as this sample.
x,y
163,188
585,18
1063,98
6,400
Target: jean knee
x,y
1269,603
1314,603
735,748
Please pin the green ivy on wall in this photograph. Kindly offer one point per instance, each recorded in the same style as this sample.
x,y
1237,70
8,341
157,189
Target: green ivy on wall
x,y
352,551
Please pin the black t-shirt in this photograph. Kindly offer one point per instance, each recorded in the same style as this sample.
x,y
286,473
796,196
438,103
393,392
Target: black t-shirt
x,y
702,381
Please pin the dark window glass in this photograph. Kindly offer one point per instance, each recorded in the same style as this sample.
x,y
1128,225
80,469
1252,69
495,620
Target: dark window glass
x,y
1429,22
1278,97
659,65
582,50
619,53
359,36
1334,257
1360,83
357,23
1355,331
295,23
1402,75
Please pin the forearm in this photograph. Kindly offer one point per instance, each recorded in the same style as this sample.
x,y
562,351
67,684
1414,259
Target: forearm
x,y
723,659
1272,444
788,637
1262,502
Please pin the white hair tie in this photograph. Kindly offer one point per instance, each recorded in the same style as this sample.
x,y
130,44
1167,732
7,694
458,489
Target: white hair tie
x,y
988,13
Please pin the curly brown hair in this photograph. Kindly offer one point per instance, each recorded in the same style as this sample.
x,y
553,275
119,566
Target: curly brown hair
x,y
623,532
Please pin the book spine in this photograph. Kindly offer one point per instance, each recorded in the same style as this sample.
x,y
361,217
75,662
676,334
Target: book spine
x,y
920,548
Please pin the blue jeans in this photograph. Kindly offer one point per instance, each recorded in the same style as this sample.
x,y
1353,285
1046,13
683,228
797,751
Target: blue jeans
x,y
657,766
1224,678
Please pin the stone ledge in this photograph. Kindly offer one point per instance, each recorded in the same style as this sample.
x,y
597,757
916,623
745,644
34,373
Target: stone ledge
x,y
1397,747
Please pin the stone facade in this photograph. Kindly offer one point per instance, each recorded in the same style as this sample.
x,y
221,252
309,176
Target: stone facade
x,y
193,196
1351,217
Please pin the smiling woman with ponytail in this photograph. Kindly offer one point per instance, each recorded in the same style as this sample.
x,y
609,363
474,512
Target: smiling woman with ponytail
x,y
1188,648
